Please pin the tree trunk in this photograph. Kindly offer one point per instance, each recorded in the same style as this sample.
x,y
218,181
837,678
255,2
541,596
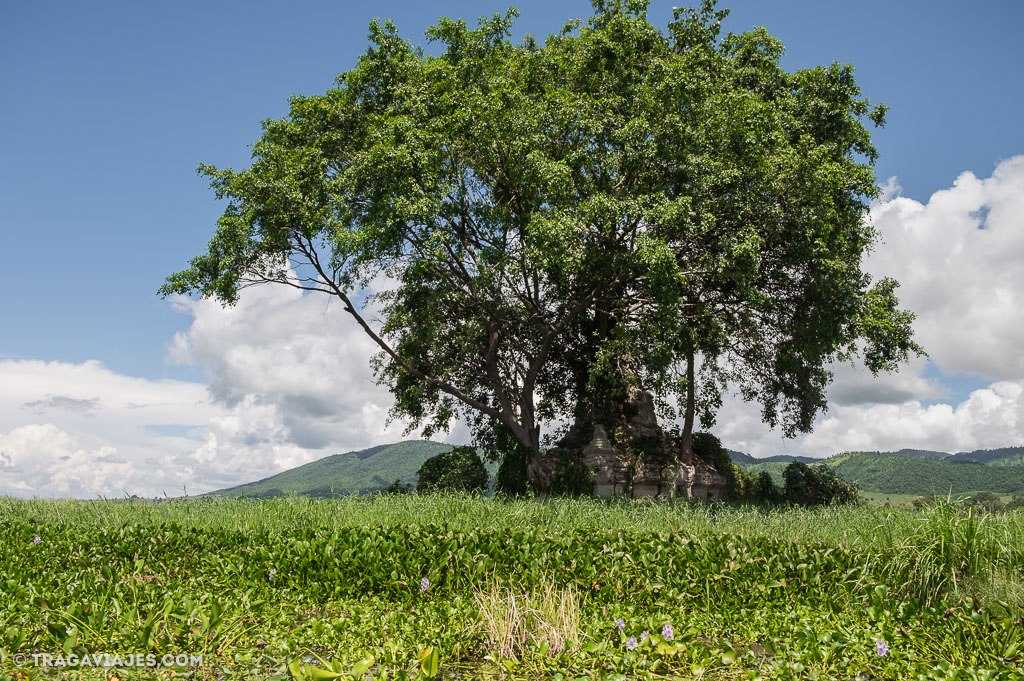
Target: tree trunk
x,y
534,466
688,414
691,395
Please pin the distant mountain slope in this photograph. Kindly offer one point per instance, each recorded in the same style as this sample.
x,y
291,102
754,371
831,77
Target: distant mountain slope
x,y
922,454
773,467
1016,460
899,474
359,472
770,463
915,471
1004,456
788,459
741,459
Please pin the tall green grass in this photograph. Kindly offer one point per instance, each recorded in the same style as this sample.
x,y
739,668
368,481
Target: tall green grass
x,y
948,550
951,550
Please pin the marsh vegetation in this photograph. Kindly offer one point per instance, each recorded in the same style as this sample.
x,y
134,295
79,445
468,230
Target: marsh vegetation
x,y
408,584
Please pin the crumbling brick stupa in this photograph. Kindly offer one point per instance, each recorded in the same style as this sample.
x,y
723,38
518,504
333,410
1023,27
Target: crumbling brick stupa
x,y
638,459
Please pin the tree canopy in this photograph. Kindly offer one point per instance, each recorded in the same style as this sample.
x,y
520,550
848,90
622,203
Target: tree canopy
x,y
458,470
618,206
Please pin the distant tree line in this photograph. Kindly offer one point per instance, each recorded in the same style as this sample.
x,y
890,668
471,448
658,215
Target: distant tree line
x,y
802,485
982,501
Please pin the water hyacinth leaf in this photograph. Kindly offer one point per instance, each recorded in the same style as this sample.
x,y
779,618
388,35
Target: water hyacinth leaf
x,y
429,661
362,666
71,641
319,674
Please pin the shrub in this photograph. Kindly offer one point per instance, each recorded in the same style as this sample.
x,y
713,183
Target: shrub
x,y
989,502
709,449
459,469
743,485
925,501
397,488
766,491
816,486
571,478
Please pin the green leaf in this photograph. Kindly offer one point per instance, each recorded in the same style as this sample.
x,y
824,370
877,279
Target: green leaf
x,y
318,674
429,661
361,667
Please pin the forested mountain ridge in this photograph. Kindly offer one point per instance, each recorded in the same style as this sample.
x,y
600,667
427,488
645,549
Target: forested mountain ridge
x,y
906,471
915,471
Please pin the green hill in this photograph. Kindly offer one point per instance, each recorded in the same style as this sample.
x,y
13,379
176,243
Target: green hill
x,y
1005,456
773,464
741,459
923,454
788,459
1017,460
898,474
359,472
916,472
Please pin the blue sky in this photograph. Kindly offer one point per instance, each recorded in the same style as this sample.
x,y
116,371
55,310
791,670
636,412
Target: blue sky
x,y
108,108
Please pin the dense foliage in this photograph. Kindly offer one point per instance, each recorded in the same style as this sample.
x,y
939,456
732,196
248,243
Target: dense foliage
x,y
765,491
803,485
571,478
458,470
816,486
614,207
394,579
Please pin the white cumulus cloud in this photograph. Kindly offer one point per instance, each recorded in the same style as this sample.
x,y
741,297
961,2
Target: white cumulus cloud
x,y
960,261
299,358
83,430
990,417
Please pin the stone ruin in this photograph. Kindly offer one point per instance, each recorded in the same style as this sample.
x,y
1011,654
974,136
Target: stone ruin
x,y
643,462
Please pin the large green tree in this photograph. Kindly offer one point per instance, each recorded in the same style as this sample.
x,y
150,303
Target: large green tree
x,y
617,207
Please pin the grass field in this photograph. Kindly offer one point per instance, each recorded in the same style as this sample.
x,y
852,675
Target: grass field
x,y
464,587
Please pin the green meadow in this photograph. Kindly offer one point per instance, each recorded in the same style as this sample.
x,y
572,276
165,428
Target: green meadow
x,y
410,586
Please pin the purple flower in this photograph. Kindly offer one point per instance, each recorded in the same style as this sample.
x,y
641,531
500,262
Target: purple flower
x,y
881,647
424,584
620,624
272,573
631,643
37,540
666,632
643,636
